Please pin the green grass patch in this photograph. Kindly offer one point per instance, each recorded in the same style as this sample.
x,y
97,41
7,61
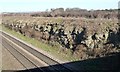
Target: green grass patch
x,y
54,50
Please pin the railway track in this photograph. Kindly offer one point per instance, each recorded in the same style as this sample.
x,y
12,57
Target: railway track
x,y
27,60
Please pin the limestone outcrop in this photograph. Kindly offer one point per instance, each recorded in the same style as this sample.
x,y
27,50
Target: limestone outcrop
x,y
84,37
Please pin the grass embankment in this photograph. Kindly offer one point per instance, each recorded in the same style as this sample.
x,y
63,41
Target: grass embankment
x,y
53,50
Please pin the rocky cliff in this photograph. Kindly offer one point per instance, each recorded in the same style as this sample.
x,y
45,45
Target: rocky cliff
x,y
86,38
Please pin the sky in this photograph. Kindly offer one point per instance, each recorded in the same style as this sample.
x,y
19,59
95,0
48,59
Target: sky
x,y
42,5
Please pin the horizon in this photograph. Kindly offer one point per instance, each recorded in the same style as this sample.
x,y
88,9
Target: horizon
x,y
43,5
50,10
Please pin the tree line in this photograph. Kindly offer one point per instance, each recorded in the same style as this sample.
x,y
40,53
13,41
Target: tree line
x,y
70,12
77,12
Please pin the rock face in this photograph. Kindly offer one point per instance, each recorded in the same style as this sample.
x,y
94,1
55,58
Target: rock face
x,y
84,37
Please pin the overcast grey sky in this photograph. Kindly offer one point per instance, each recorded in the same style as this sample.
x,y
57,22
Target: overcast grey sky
x,y
42,5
